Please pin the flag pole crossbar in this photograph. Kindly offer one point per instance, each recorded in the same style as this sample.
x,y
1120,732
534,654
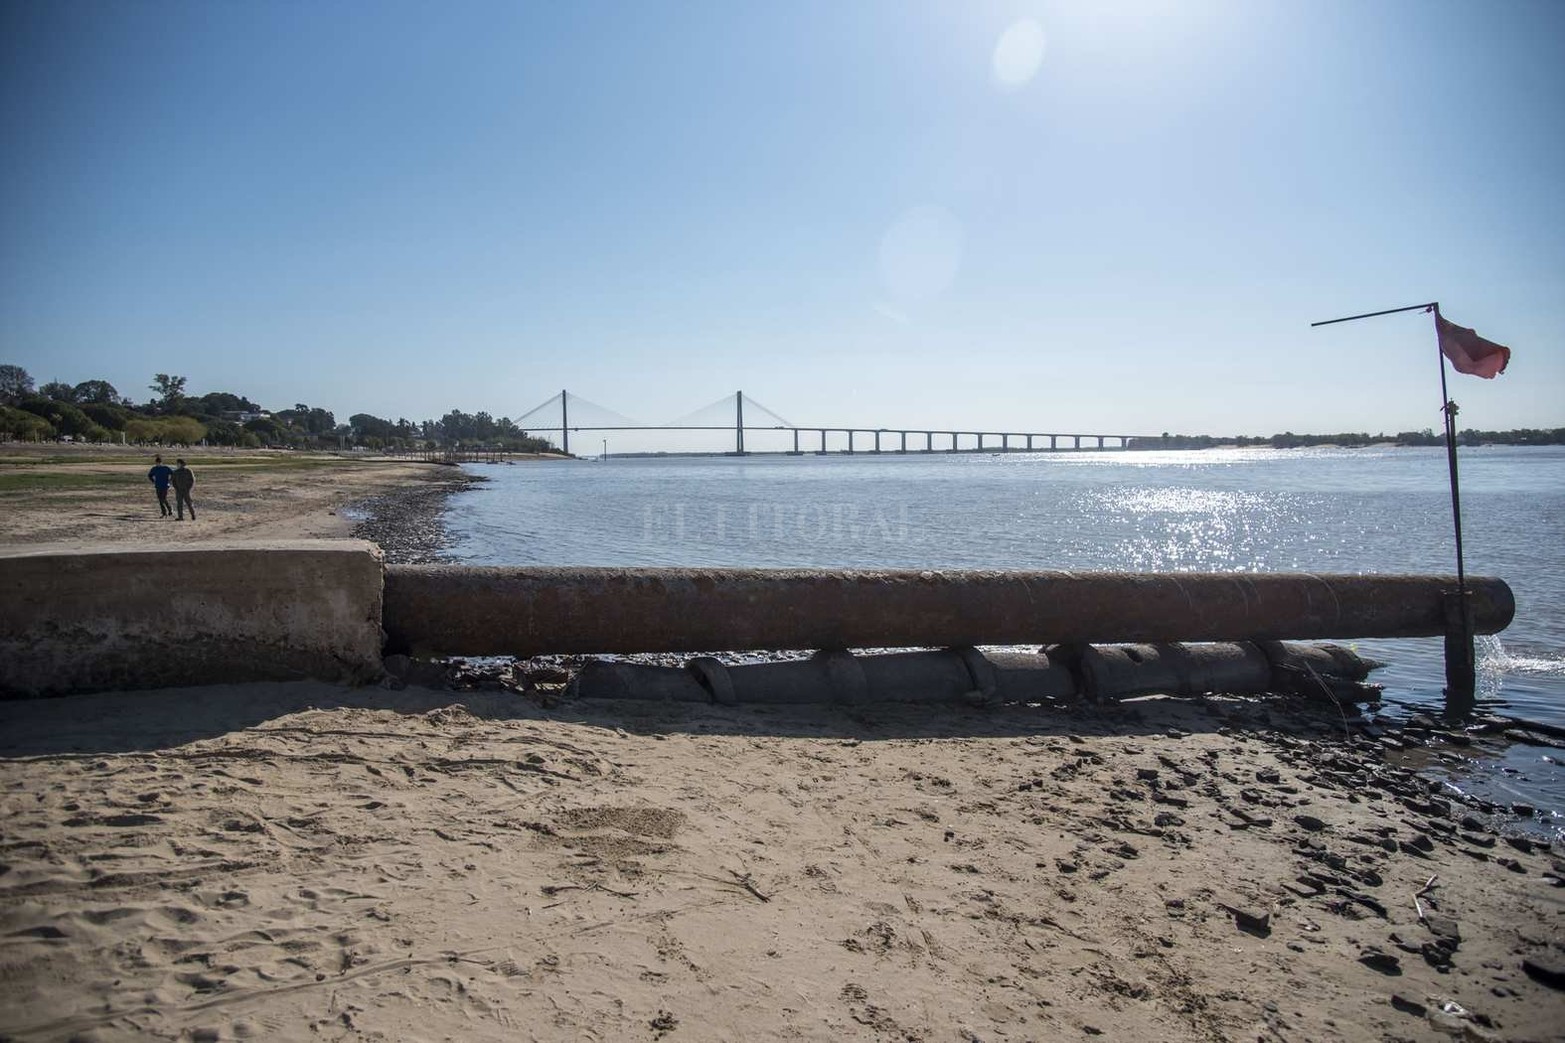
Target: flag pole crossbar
x,y
1373,314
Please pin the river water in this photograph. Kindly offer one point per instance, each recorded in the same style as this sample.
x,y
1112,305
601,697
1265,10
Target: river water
x,y
1372,510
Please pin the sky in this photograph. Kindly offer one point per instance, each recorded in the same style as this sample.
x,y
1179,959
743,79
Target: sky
x,y
1112,217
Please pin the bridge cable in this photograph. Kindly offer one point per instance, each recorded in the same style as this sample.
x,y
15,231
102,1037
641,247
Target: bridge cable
x,y
710,411
750,402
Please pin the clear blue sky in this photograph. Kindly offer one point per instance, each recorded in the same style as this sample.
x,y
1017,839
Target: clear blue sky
x,y
1048,216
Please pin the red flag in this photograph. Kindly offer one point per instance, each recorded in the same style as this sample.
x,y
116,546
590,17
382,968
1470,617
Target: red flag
x,y
1470,353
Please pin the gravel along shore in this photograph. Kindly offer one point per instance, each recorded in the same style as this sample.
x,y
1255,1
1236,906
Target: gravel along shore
x,y
408,522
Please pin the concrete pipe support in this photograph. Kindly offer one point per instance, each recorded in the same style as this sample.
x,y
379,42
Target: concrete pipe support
x,y
841,678
969,676
1118,671
471,610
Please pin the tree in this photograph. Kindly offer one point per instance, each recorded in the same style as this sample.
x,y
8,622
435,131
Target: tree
x,y
184,430
142,430
366,426
65,418
59,391
216,403
171,391
23,426
267,431
97,391
224,432
14,383
310,421
173,430
114,417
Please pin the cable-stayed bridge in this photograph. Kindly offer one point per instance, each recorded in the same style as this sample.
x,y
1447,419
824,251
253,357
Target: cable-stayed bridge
x,y
729,414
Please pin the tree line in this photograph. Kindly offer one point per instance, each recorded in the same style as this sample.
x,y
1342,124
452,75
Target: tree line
x,y
1357,439
95,411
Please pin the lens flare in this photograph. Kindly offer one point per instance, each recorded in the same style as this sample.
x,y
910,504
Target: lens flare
x,y
1018,54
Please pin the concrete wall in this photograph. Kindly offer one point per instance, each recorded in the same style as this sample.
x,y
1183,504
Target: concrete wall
x,y
78,617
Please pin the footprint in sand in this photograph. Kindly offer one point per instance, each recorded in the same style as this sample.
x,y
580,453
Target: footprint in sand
x,y
178,914
615,831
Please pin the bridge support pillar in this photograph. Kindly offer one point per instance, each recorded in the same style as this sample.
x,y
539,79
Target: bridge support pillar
x,y
904,442
1100,441
1078,440
877,441
850,439
929,441
1029,443
1005,443
954,437
823,441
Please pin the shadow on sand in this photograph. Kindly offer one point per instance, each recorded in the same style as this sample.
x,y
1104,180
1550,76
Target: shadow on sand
x,y
121,722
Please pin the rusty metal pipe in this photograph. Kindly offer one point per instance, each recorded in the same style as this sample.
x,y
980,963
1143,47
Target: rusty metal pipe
x,y
474,610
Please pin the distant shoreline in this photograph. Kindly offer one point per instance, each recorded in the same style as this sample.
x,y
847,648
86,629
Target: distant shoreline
x,y
1094,450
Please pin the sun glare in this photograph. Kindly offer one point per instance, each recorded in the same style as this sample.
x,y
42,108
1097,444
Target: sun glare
x,y
1018,54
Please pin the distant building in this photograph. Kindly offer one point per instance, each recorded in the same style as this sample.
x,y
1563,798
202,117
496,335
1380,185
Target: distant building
x,y
241,416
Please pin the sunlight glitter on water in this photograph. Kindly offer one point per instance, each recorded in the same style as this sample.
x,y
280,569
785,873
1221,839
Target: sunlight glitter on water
x,y
1178,500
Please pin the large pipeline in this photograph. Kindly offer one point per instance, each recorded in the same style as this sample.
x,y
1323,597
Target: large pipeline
x,y
471,610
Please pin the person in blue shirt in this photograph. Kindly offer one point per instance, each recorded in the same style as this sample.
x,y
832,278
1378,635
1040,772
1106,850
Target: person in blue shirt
x,y
160,476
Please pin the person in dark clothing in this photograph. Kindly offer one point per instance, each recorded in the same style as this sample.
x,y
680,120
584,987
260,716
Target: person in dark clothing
x,y
159,476
183,480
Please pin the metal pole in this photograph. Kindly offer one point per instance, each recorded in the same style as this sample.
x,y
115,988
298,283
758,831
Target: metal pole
x,y
1460,660
1460,671
1372,314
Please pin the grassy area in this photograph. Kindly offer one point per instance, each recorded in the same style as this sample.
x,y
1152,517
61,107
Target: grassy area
x,y
46,481
194,457
24,460
63,474
255,462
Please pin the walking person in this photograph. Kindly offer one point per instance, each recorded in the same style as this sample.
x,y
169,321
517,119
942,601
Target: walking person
x,y
183,480
159,476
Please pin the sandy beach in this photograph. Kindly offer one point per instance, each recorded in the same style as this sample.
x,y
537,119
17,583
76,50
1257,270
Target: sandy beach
x,y
302,861
101,493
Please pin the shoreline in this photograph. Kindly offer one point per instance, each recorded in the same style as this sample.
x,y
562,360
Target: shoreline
x,y
84,495
408,522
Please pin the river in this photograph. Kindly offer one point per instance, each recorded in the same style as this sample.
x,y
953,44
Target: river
x,y
1373,510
